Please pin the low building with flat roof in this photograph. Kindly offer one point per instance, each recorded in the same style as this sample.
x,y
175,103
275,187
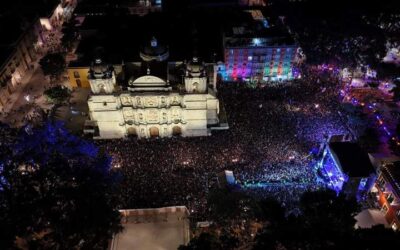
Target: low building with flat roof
x,y
154,228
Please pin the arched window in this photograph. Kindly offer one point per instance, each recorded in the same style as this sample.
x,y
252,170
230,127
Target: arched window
x,y
102,89
132,132
154,132
195,87
176,131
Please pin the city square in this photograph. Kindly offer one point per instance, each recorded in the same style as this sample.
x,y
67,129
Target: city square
x,y
269,142
199,124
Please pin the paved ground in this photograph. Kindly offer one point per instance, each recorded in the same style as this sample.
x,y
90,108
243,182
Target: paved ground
x,y
158,231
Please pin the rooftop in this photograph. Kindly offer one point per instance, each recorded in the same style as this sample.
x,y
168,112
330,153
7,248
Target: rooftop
x,y
122,37
253,28
353,160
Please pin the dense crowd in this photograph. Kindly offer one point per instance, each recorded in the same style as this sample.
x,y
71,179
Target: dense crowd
x,y
269,146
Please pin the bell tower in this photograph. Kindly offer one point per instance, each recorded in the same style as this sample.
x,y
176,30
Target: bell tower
x,y
101,78
195,77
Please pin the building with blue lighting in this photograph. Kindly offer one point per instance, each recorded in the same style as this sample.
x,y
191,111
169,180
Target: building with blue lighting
x,y
346,168
256,50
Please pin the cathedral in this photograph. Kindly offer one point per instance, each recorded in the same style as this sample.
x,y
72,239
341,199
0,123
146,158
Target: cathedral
x,y
159,98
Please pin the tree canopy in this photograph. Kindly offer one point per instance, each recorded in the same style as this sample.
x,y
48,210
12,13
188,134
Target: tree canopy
x,y
369,141
226,205
70,34
55,192
204,241
342,33
53,64
324,220
57,94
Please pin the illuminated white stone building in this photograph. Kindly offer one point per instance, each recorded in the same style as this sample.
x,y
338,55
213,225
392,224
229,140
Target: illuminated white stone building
x,y
151,106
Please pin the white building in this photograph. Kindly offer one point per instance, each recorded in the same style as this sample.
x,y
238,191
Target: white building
x,y
151,106
163,228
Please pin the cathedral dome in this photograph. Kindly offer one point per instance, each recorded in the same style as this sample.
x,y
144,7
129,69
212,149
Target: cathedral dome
x,y
148,80
154,51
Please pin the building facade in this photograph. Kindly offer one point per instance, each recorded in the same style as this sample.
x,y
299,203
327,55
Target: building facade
x,y
78,76
260,63
258,52
28,47
387,191
13,68
150,106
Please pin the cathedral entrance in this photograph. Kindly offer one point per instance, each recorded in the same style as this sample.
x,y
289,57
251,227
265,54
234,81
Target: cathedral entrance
x,y
176,131
132,132
154,132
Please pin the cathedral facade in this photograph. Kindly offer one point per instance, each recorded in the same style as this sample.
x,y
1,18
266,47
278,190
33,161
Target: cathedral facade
x,y
151,106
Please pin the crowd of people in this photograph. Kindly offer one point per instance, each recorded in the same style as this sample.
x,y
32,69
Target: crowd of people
x,y
269,147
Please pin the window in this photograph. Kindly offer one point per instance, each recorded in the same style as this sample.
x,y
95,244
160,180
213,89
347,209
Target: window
x,y
104,103
381,183
195,86
78,83
362,184
390,198
76,74
385,209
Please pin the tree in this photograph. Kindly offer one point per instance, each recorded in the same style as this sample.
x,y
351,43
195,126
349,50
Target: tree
x,y
55,192
57,94
325,212
226,205
228,240
53,65
396,91
341,36
377,237
394,147
70,34
325,220
356,119
271,210
204,241
369,141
